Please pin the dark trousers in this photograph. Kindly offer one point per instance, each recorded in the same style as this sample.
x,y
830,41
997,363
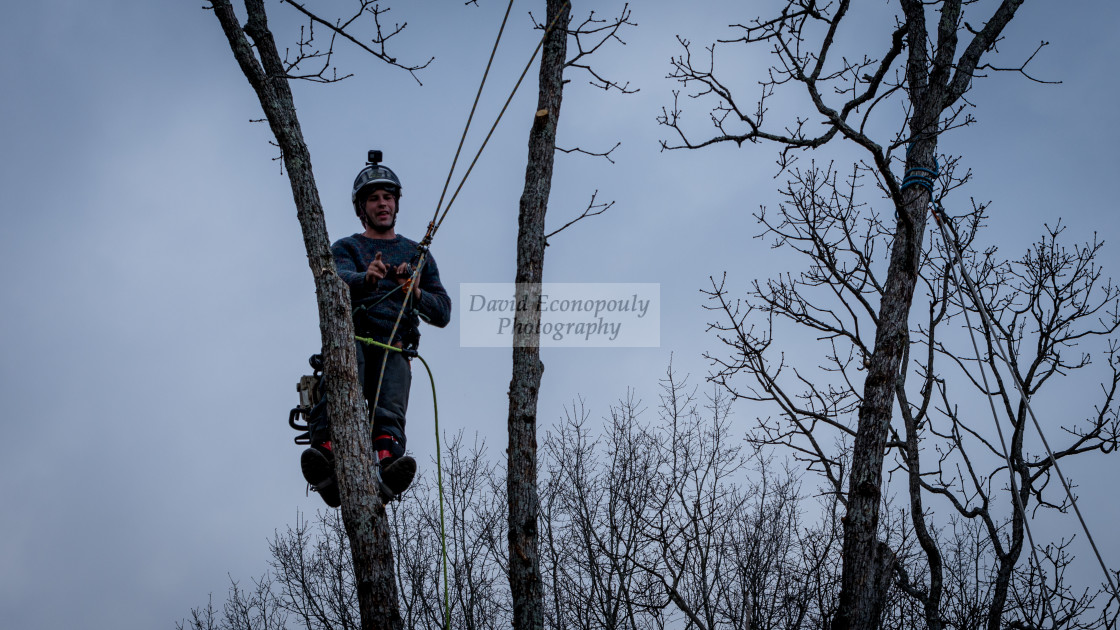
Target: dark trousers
x,y
392,404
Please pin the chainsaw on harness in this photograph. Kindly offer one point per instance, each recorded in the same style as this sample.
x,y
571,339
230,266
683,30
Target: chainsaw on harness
x,y
312,419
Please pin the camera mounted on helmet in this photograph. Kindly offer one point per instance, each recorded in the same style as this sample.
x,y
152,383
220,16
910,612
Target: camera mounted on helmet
x,y
374,176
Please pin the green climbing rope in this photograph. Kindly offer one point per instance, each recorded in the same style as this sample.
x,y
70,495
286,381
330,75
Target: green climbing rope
x,y
439,469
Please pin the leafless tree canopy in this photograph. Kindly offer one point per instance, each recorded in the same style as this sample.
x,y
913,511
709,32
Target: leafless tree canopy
x,y
651,519
887,475
886,398
1051,305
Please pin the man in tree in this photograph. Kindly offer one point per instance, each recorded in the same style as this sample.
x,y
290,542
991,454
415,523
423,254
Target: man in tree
x,y
377,265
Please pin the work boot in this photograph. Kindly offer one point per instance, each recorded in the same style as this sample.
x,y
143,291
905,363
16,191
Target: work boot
x,y
317,464
397,469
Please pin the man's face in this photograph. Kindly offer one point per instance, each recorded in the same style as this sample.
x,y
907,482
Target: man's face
x,y
381,210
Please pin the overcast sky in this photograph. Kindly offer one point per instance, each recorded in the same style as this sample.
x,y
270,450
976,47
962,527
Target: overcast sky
x,y
158,308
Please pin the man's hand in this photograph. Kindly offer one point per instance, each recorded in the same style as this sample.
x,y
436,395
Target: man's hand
x,y
402,273
376,270
404,278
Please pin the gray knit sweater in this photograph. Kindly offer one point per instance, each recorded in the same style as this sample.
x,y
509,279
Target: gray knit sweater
x,y
376,306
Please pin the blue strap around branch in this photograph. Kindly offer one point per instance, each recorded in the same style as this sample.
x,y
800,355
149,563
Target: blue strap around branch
x,y
912,179
920,176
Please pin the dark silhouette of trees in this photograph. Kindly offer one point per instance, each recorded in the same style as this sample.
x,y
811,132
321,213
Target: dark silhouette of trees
x,y
1049,305
651,519
675,522
864,272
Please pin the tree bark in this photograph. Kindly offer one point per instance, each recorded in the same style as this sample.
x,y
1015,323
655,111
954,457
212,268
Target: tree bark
x,y
864,562
526,585
362,509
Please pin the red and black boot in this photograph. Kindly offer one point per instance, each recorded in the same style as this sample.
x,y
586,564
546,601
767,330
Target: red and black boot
x,y
397,470
317,464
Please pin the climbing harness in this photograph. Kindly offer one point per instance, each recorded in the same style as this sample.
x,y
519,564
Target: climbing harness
x,y
914,177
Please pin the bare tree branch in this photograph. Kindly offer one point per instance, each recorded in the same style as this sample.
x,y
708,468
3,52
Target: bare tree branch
x,y
591,210
377,43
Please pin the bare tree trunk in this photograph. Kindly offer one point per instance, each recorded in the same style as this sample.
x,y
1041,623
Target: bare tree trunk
x,y
867,561
526,585
362,510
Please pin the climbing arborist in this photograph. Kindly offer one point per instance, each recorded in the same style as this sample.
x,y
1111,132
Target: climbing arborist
x,y
377,264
